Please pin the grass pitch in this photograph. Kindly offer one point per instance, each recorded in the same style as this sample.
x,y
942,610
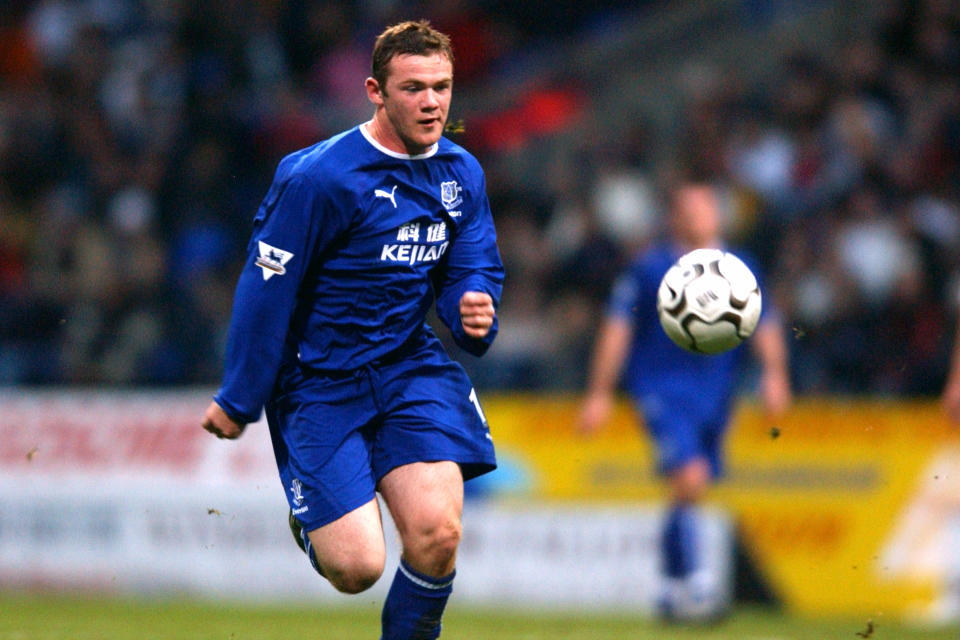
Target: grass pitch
x,y
44,617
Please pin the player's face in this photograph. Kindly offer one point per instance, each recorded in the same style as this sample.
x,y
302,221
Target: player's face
x,y
697,216
415,100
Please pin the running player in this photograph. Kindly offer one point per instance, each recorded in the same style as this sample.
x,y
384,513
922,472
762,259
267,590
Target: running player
x,y
355,240
685,398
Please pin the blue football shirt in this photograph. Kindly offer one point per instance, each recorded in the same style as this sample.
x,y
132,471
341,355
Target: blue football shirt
x,y
351,247
658,373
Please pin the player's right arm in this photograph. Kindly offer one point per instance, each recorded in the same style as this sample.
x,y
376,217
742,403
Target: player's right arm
x,y
610,351
217,422
609,355
289,227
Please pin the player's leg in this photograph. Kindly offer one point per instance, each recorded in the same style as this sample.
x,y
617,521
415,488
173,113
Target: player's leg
x,y
681,539
692,592
432,414
426,502
350,551
687,472
319,427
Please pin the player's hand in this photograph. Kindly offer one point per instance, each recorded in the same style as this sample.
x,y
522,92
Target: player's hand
x,y
476,313
217,422
595,412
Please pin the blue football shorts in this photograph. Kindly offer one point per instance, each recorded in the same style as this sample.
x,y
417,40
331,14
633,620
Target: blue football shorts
x,y
335,434
681,434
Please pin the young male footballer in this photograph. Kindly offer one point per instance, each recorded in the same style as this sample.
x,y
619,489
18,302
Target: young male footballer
x,y
355,240
685,398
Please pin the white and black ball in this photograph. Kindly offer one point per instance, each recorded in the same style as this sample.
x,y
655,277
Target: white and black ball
x,y
709,301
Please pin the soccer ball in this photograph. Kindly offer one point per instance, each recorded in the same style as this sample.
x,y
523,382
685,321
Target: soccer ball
x,y
708,301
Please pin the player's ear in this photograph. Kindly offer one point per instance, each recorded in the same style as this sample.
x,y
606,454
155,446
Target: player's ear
x,y
374,92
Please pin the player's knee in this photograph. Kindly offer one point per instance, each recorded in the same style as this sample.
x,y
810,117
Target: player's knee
x,y
690,481
688,494
353,583
354,576
435,542
689,489
445,539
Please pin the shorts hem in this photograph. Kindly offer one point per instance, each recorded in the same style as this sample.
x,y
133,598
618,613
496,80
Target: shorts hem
x,y
469,467
665,468
328,517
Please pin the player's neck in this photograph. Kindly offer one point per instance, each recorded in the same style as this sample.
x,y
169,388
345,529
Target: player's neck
x,y
386,136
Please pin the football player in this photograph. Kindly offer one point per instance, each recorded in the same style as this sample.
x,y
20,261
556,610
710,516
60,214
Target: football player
x,y
355,240
685,399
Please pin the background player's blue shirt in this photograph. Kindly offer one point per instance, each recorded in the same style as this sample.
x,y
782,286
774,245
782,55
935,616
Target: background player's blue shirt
x,y
351,246
658,371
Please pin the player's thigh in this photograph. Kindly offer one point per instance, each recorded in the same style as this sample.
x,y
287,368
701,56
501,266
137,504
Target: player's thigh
x,y
425,500
352,543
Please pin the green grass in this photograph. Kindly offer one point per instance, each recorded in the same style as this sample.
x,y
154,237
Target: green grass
x,y
41,617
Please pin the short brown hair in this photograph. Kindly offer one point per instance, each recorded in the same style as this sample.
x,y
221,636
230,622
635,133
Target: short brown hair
x,y
413,37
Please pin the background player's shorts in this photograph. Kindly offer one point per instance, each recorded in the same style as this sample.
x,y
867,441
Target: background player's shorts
x,y
682,433
335,434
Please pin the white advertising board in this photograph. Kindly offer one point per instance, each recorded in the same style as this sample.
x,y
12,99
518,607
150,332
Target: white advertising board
x,y
124,492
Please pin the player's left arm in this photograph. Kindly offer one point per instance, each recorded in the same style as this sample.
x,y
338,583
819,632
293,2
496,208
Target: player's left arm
x,y
770,347
472,281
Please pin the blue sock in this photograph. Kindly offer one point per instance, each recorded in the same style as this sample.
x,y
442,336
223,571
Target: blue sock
x,y
679,542
414,605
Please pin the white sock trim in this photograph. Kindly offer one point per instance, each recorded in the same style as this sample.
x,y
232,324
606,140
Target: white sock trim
x,y
420,582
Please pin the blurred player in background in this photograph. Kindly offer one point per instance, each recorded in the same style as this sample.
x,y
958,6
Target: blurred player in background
x,y
355,239
685,399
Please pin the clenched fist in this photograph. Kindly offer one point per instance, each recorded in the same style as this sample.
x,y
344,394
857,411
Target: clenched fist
x,y
217,422
476,313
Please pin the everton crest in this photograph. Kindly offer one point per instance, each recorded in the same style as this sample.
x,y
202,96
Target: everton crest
x,y
450,194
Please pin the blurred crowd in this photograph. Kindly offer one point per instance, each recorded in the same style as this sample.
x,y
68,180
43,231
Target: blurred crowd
x,y
138,136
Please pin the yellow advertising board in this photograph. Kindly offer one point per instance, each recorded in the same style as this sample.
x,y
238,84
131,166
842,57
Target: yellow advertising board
x,y
846,506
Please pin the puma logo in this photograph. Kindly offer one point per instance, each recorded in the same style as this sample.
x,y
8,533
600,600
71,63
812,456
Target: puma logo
x,y
380,193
